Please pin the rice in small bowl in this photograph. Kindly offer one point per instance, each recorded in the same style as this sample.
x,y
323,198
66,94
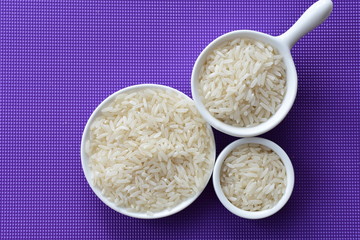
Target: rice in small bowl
x,y
253,178
147,152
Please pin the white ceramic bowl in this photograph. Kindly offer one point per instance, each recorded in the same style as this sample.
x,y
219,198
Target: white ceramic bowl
x,y
85,158
313,17
289,176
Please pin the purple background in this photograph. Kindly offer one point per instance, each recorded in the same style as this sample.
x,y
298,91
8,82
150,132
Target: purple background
x,y
60,59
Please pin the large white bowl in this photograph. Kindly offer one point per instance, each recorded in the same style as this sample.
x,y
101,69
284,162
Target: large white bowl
x,y
85,157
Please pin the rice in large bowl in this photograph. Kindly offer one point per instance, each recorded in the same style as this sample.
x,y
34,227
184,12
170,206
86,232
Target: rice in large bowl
x,y
147,151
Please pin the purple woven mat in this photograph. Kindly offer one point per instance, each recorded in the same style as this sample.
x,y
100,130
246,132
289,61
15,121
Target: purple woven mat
x,y
60,59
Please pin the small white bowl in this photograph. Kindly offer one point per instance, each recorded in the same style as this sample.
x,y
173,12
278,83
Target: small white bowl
x,y
313,17
289,176
85,157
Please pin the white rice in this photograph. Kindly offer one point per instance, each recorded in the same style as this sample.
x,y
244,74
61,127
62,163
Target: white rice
x,y
150,150
243,82
253,177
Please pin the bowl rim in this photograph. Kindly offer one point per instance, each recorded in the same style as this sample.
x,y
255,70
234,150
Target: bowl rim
x,y
291,83
290,177
84,158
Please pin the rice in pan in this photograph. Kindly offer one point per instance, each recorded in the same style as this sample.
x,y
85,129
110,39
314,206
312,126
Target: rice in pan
x,y
243,82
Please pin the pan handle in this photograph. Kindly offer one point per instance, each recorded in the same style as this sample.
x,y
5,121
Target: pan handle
x,y
311,18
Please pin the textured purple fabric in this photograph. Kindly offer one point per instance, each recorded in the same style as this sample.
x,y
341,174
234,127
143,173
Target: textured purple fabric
x,y
60,59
